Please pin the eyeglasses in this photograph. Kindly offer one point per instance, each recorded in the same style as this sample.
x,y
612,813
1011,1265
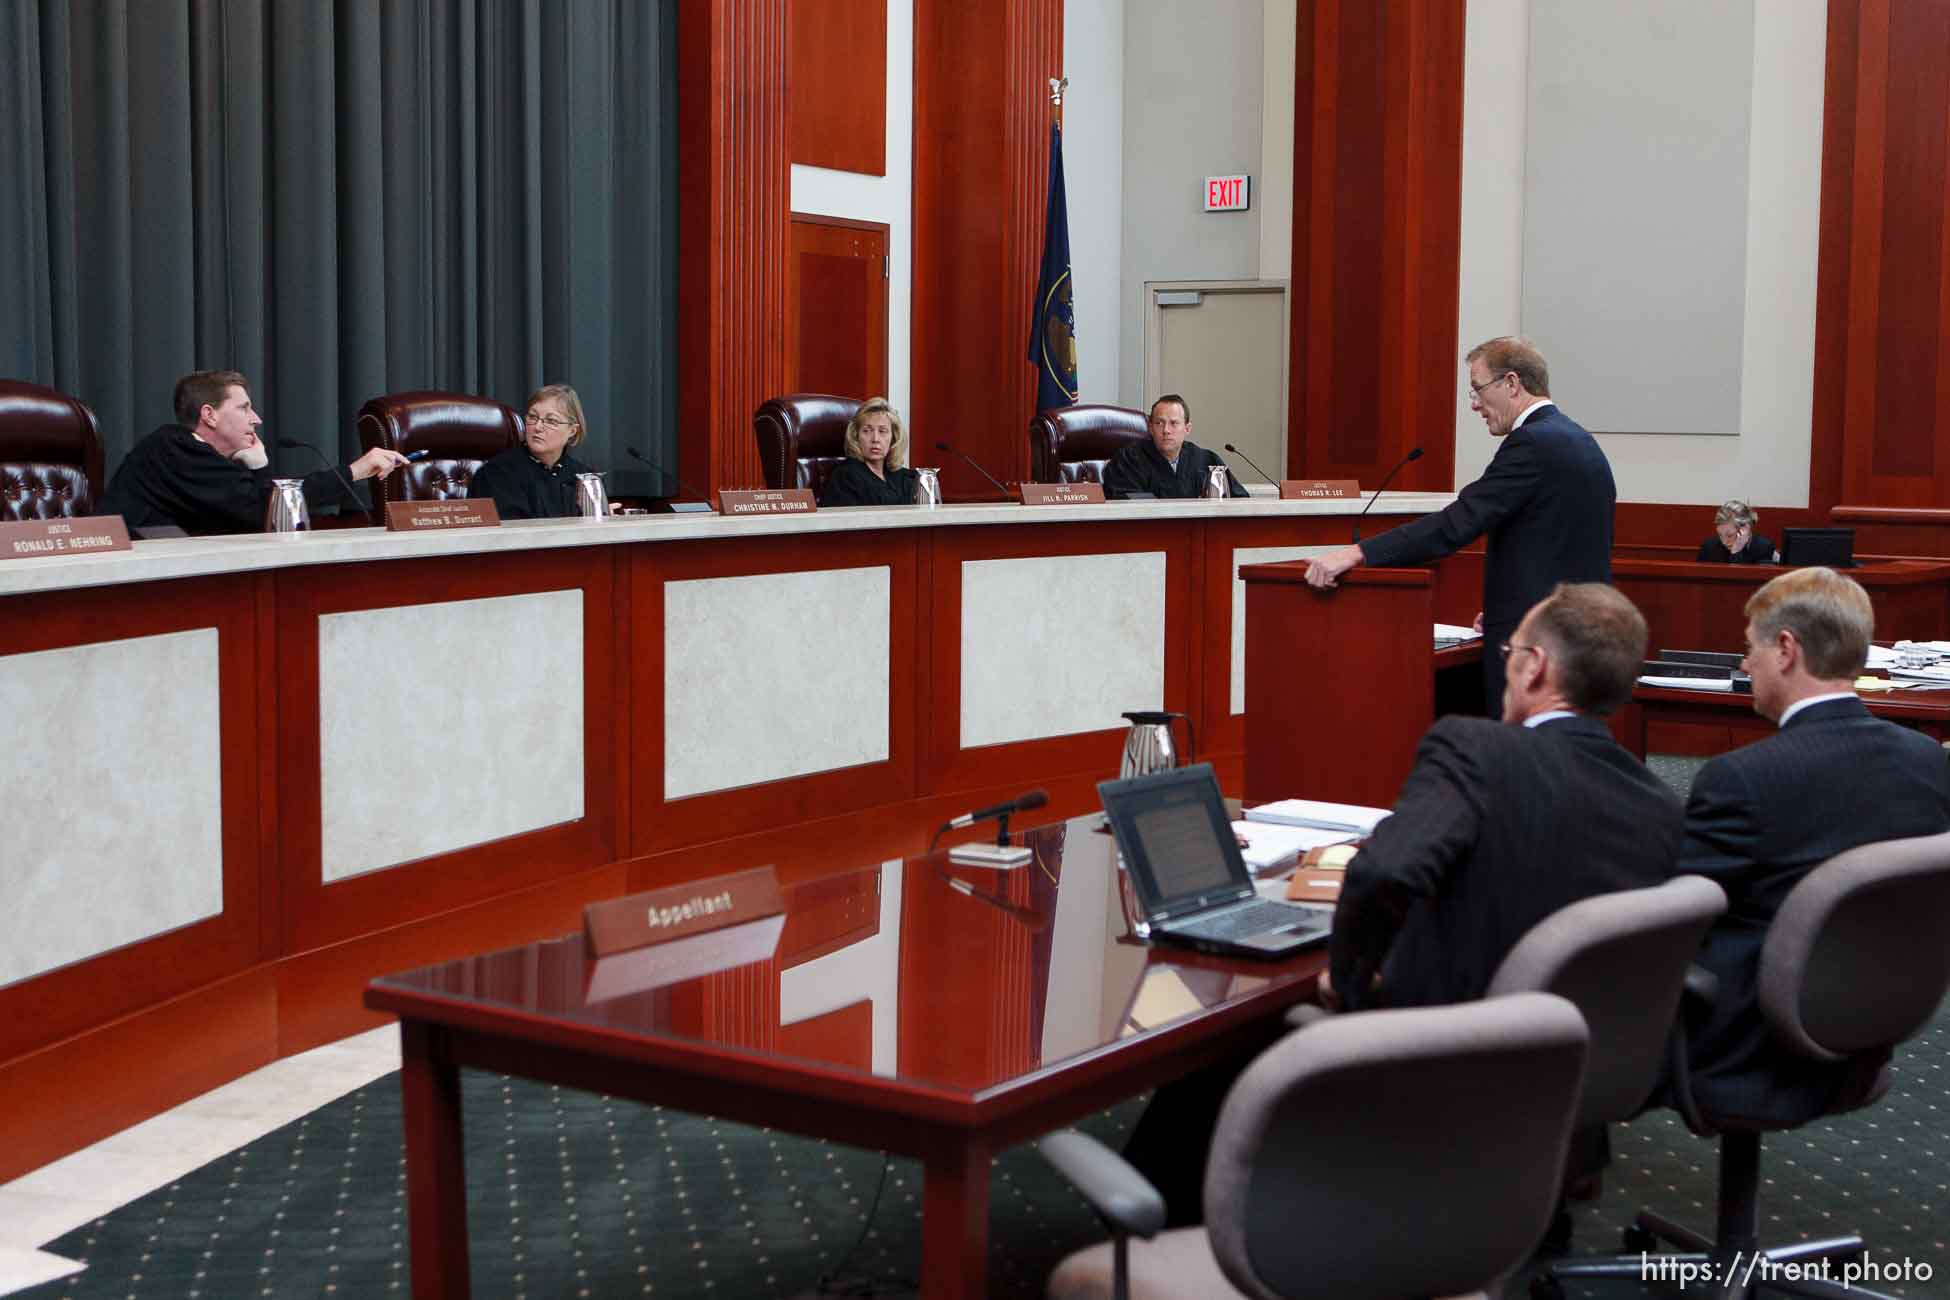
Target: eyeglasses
x,y
552,421
1476,390
1509,646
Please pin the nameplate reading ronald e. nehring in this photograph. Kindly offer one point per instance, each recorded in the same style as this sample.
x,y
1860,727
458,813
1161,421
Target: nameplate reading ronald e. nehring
x,y
1305,489
774,501
84,535
418,516
681,932
1061,494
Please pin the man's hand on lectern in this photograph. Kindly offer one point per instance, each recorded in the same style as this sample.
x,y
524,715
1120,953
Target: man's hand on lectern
x,y
1326,570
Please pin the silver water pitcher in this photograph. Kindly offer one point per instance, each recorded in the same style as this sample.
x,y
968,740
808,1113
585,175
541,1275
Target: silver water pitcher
x,y
285,510
592,500
1216,484
927,490
1149,746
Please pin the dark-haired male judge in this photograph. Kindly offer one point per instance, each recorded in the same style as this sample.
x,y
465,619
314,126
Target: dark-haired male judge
x,y
1545,502
1169,465
1497,826
208,473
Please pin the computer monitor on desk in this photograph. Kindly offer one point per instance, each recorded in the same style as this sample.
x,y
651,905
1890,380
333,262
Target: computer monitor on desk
x,y
1834,547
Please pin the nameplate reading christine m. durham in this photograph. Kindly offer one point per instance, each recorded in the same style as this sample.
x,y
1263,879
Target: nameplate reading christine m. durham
x,y
84,535
777,501
414,516
1061,494
1314,489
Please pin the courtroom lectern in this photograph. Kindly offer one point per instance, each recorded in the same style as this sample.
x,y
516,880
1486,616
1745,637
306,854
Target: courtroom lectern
x,y
1341,684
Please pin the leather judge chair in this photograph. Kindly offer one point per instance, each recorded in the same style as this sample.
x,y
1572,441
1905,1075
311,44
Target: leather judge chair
x,y
456,430
801,436
1070,444
1441,1126
50,454
1855,962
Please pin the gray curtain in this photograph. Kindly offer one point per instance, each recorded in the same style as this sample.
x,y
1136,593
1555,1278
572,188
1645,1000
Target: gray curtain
x,y
340,200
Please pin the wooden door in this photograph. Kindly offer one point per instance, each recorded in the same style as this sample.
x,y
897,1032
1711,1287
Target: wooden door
x,y
836,307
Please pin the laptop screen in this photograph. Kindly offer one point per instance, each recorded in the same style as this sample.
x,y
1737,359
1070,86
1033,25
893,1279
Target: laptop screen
x,y
1176,837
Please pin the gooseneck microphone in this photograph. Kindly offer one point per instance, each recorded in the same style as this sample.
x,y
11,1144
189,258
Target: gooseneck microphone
x,y
1249,460
663,474
294,444
1386,480
942,446
1021,803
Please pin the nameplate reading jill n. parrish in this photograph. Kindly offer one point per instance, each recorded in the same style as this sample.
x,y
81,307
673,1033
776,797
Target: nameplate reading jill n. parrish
x,y
421,516
84,535
1319,489
776,501
680,932
1061,494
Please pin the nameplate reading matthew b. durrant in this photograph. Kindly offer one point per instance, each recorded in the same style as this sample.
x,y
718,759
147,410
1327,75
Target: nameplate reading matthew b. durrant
x,y
423,516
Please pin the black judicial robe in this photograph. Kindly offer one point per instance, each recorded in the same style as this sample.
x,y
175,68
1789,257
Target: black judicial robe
x,y
1141,467
852,484
524,488
174,477
1758,551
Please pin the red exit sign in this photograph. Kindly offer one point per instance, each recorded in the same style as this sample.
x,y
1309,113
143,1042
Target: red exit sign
x,y
1228,193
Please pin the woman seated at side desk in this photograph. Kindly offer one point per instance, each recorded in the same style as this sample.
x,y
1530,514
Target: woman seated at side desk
x,y
537,478
1733,541
873,473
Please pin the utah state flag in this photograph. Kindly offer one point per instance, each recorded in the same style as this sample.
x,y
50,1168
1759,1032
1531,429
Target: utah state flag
x,y
1052,333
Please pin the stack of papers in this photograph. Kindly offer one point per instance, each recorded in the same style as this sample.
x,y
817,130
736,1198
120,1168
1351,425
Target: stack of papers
x,y
1936,675
1352,818
1273,847
1721,684
1447,634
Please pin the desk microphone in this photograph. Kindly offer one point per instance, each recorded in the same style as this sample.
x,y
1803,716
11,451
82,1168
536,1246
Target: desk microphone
x,y
1389,478
1249,460
1021,803
942,446
662,474
293,444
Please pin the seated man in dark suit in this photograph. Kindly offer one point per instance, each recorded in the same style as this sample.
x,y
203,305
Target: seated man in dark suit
x,y
1497,826
1169,465
1761,817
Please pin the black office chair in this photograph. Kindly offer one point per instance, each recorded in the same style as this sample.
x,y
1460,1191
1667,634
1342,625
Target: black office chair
x,y
1443,1127
1855,962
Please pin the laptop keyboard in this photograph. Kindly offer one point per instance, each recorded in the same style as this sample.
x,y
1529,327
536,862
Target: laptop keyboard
x,y
1249,918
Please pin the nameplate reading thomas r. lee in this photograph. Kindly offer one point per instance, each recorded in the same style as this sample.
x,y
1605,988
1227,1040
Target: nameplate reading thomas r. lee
x,y
1319,489
32,539
1061,494
772,501
420,516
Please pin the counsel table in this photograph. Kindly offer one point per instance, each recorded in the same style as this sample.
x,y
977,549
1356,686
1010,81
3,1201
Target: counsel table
x,y
1001,1008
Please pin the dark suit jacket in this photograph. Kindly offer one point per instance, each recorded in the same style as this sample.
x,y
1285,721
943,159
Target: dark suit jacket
x,y
1759,819
1497,827
1545,503
1141,467
1759,550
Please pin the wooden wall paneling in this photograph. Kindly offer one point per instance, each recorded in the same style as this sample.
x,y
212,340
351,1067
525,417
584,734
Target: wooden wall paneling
x,y
1376,239
1835,242
737,185
981,174
316,913
947,767
662,823
836,84
48,1007
842,1036
268,713
836,308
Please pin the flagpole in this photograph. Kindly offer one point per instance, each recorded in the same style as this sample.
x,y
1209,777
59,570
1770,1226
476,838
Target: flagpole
x,y
1057,85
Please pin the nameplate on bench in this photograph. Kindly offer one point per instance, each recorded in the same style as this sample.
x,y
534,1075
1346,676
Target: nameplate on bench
x,y
681,932
1061,494
1319,489
778,501
83,535
418,516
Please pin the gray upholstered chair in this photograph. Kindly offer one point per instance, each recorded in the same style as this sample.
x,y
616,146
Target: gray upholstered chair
x,y
1855,962
1443,1126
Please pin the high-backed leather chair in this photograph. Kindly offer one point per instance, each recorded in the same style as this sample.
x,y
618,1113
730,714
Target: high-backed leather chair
x,y
50,454
801,436
1070,444
1376,1155
457,431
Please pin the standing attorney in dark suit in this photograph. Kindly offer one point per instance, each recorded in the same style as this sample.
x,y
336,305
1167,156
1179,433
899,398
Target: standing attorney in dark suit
x,y
1498,826
1761,817
1545,502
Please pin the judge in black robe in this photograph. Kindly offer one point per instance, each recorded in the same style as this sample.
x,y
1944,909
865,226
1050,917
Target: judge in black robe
x,y
1169,465
874,472
537,479
1733,540
209,473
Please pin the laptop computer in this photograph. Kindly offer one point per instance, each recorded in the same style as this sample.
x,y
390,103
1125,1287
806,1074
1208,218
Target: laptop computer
x,y
1190,880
